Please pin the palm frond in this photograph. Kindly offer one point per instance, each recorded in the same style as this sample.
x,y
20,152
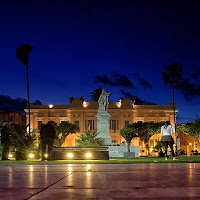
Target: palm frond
x,y
23,52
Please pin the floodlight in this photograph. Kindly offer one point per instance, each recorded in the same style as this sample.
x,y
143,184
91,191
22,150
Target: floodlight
x,y
10,155
31,155
70,155
88,155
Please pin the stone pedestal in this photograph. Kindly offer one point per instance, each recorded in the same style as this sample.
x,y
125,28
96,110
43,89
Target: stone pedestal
x,y
129,154
103,127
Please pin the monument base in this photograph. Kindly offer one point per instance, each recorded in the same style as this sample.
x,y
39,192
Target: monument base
x,y
103,127
106,141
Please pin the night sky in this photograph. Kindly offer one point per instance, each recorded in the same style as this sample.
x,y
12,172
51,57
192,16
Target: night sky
x,y
80,44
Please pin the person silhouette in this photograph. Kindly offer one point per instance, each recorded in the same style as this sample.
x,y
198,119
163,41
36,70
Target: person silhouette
x,y
167,139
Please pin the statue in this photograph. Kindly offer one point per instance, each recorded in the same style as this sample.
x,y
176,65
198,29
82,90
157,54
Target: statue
x,y
103,119
103,101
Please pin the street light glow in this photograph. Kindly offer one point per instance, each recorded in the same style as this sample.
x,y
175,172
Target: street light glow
x,y
31,155
70,155
10,155
88,155
51,105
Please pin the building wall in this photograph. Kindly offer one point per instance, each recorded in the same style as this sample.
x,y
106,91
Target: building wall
x,y
12,117
84,113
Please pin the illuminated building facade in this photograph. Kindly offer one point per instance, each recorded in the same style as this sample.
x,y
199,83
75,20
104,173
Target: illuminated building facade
x,y
83,114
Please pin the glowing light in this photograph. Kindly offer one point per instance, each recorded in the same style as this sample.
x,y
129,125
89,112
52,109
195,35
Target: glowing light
x,y
84,104
10,155
119,104
190,143
45,155
70,167
31,168
70,155
31,155
88,167
51,106
88,155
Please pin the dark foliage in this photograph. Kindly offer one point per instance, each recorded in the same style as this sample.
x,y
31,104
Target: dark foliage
x,y
96,94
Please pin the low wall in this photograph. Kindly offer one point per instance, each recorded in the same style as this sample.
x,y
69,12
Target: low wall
x,y
118,151
99,153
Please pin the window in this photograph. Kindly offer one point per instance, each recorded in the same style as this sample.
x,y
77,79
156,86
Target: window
x,y
11,118
76,123
89,124
114,125
126,123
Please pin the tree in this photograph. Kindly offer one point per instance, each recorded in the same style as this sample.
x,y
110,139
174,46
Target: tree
x,y
145,131
88,139
192,129
96,94
172,76
159,147
22,54
5,141
20,139
65,128
128,134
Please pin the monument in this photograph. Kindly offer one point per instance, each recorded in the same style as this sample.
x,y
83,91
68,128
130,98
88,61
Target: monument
x,y
103,119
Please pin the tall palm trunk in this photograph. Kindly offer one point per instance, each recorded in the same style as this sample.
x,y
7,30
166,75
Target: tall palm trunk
x,y
22,54
29,109
175,138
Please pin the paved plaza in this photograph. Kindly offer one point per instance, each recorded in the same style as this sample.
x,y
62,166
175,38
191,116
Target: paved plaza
x,y
100,181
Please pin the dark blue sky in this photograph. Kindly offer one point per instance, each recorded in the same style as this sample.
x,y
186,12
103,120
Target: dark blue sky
x,y
74,41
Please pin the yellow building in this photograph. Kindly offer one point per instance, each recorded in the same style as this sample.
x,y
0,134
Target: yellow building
x,y
12,117
84,113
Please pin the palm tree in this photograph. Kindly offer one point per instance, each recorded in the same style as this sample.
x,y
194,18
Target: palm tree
x,y
22,54
172,75
95,94
66,128
89,139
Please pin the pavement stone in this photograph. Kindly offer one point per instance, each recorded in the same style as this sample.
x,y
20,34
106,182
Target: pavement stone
x,y
100,181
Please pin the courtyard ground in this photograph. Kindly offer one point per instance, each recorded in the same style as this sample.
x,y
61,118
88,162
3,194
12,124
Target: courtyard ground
x,y
99,181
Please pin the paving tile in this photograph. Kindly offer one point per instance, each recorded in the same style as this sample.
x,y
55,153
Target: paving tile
x,y
100,181
17,193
